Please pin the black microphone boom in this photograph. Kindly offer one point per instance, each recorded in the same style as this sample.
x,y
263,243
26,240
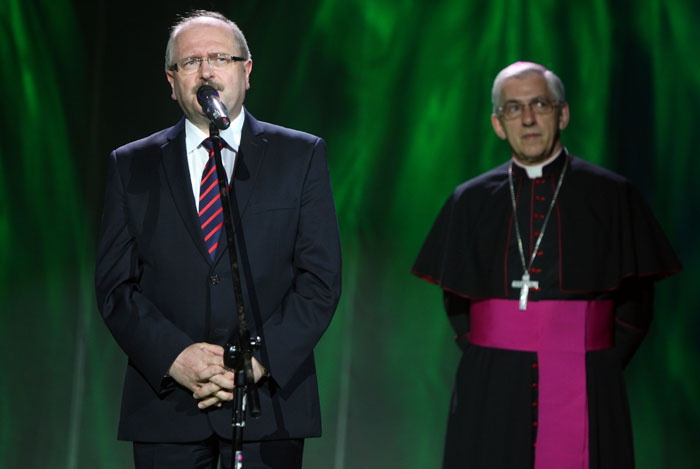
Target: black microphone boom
x,y
215,110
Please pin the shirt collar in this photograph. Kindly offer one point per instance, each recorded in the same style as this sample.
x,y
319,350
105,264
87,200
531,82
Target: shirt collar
x,y
232,136
535,171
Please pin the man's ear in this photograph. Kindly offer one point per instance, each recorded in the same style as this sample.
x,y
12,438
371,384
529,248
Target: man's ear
x,y
564,116
171,80
497,127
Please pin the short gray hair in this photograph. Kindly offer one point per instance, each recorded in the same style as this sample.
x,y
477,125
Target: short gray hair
x,y
197,15
519,70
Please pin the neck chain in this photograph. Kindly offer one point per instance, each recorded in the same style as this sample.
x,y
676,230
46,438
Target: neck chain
x,y
525,283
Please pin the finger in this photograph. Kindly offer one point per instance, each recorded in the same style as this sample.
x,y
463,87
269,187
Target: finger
x,y
223,380
216,400
205,390
223,395
212,349
205,374
211,401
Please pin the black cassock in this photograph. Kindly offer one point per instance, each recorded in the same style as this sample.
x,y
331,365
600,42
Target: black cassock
x,y
600,242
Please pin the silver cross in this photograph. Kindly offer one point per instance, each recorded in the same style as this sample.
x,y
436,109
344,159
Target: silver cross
x,y
525,284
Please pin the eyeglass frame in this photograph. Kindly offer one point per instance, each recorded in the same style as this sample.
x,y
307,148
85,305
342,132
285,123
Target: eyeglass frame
x,y
541,112
175,67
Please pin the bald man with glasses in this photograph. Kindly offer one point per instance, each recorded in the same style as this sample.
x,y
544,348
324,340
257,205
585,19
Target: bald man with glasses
x,y
163,276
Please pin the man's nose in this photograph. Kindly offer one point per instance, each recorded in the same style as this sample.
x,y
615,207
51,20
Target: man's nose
x,y
528,116
205,69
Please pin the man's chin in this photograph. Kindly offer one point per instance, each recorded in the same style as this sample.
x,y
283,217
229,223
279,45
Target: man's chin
x,y
530,159
199,120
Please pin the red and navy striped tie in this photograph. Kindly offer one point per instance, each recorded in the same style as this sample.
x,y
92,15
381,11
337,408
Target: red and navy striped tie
x,y
211,215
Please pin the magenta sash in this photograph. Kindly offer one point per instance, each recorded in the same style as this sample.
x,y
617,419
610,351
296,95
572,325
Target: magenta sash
x,y
560,332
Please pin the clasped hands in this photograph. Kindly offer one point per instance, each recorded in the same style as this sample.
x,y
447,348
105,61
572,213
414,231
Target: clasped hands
x,y
200,368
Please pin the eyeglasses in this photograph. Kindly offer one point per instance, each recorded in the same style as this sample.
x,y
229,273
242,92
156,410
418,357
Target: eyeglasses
x,y
514,109
190,65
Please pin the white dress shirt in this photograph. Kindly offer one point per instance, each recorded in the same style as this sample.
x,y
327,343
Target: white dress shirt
x,y
197,155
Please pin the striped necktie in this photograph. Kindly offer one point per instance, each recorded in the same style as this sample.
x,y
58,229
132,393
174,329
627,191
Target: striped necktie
x,y
211,216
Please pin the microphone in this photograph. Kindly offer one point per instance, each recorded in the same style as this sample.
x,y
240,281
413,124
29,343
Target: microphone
x,y
215,110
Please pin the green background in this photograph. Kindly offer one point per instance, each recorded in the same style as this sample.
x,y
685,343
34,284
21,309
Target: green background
x,y
401,92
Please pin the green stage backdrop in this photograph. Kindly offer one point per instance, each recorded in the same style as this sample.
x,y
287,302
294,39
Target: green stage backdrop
x,y
400,91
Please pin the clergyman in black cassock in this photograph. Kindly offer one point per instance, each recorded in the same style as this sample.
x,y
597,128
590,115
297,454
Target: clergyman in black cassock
x,y
540,381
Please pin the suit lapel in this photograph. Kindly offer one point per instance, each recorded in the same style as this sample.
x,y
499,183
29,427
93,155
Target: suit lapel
x,y
178,176
248,162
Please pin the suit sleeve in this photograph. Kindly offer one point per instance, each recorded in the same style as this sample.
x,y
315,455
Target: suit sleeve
x,y
151,341
308,307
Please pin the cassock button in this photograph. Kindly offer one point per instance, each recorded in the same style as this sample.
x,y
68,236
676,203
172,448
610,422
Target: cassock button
x,y
214,279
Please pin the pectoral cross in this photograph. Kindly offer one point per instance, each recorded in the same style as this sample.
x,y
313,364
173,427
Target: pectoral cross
x,y
525,284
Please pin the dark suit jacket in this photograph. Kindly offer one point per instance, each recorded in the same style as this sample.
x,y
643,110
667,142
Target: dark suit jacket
x,y
158,290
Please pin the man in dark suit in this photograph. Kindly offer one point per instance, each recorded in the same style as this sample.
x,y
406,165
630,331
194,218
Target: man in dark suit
x,y
166,295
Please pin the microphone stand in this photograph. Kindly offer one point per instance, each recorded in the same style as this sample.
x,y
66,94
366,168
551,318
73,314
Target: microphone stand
x,y
237,356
